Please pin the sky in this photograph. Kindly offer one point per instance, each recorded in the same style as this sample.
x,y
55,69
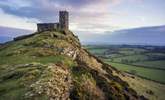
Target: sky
x,y
86,16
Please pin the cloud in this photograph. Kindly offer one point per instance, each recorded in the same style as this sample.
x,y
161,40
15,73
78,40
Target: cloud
x,y
85,15
15,4
17,22
47,11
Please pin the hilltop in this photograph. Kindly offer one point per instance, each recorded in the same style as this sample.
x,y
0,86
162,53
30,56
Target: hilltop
x,y
53,65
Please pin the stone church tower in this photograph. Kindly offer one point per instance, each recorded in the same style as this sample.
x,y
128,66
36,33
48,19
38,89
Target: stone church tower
x,y
64,20
62,25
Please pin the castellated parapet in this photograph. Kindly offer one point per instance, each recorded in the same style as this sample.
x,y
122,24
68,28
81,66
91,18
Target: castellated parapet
x,y
47,26
62,25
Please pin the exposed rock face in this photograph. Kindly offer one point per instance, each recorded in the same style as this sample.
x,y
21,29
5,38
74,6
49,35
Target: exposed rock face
x,y
55,82
53,66
71,52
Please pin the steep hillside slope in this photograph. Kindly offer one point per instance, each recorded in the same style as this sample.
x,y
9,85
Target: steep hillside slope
x,y
53,65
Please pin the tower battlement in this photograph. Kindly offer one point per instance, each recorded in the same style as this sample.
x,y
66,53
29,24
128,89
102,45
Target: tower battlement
x,y
62,25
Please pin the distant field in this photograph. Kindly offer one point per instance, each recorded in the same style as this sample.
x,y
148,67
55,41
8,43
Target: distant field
x,y
138,57
153,64
145,61
97,50
130,58
148,62
153,74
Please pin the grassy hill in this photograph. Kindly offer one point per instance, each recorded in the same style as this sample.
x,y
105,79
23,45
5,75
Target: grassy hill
x,y
53,65
150,89
153,74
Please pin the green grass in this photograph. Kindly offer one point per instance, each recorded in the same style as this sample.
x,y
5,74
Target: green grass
x,y
127,52
97,50
152,64
131,51
142,85
153,74
33,50
132,58
14,80
24,59
11,90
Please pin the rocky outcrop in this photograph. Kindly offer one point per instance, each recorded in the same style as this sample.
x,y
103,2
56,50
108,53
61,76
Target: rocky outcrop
x,y
71,52
54,83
